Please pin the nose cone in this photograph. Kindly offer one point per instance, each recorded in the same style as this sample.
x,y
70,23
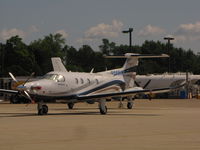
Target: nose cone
x,y
33,87
28,86
39,87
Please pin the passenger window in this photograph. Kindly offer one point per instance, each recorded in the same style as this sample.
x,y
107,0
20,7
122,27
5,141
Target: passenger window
x,y
88,81
82,81
97,81
76,80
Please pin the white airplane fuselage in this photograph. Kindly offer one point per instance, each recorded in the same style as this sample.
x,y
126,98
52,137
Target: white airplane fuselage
x,y
57,84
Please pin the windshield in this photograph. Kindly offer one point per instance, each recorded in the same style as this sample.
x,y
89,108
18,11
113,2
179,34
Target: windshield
x,y
55,77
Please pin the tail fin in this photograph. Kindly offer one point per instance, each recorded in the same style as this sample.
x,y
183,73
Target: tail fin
x,y
57,64
128,70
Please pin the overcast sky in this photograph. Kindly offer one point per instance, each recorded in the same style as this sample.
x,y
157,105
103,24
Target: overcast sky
x,y
88,21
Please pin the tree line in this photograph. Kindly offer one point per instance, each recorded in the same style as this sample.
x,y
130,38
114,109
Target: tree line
x,y
22,59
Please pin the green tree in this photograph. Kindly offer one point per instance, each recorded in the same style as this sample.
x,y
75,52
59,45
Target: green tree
x,y
106,48
86,58
17,54
44,49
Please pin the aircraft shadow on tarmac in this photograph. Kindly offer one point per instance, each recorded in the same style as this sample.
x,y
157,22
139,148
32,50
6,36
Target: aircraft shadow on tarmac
x,y
5,115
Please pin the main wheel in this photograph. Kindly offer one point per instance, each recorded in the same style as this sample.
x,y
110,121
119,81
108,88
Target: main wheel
x,y
70,105
45,109
130,105
103,110
40,112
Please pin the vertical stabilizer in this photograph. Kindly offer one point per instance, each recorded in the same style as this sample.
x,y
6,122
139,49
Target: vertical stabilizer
x,y
57,64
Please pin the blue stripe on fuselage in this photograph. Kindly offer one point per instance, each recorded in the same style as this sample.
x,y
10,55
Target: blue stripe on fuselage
x,y
114,82
122,72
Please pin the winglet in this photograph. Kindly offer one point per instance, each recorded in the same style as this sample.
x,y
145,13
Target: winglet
x,y
92,70
57,64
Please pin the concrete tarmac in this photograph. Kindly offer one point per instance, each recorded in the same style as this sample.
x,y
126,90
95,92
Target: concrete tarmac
x,y
151,125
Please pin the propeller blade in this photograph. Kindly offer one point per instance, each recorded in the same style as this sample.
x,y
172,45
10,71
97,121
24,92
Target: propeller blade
x,y
32,74
146,84
26,93
137,83
12,76
92,70
28,96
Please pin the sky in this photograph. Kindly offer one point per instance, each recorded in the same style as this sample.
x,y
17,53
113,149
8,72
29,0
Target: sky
x,y
89,21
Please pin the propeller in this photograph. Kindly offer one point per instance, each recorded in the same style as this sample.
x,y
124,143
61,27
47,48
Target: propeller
x,y
11,75
137,83
21,88
32,74
146,84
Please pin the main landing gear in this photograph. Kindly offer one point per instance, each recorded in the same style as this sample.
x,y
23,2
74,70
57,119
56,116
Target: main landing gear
x,y
70,105
130,105
42,108
103,107
130,102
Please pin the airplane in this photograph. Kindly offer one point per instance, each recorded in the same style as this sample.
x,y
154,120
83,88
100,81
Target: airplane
x,y
74,87
165,80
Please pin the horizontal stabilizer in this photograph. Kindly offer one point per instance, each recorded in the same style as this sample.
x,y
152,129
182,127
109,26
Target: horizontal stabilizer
x,y
132,58
134,55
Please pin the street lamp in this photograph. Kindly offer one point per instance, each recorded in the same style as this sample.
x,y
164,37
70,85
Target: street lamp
x,y
168,38
130,30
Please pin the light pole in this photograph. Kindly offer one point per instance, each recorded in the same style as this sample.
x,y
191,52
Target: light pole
x,y
168,38
130,30
2,60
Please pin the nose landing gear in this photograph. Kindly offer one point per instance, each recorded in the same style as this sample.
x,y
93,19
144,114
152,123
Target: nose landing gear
x,y
42,109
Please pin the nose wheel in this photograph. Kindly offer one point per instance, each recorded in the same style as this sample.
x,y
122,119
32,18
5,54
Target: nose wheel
x,y
42,109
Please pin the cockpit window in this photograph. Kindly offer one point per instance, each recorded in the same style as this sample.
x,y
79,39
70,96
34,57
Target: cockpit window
x,y
60,78
50,76
55,77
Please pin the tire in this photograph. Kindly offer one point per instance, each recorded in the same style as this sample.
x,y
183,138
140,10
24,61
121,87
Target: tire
x,y
103,111
130,105
40,112
45,109
70,105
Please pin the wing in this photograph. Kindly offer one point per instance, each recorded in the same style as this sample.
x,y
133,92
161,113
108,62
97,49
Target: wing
x,y
130,92
8,91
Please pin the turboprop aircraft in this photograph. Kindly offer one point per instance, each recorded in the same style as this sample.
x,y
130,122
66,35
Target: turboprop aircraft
x,y
74,87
